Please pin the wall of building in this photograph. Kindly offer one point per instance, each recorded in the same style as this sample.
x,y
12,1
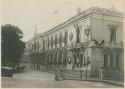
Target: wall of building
x,y
122,65
97,22
100,29
97,61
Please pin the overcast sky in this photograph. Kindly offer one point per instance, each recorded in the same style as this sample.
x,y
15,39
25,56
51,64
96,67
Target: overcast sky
x,y
47,13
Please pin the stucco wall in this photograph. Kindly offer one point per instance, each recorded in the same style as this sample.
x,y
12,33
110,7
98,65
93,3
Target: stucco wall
x,y
122,65
97,60
100,29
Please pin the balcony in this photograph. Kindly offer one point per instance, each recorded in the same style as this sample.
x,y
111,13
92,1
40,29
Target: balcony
x,y
113,45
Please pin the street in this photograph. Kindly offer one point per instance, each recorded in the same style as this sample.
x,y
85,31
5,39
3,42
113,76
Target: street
x,y
39,79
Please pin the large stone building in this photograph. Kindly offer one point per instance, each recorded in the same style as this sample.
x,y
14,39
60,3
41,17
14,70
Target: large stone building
x,y
92,40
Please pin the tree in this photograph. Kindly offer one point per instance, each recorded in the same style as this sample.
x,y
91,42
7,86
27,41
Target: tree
x,y
12,46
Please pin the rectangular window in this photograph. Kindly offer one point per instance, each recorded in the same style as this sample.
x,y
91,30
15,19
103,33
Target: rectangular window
x,y
56,41
43,44
60,40
112,33
105,60
117,60
74,59
84,62
81,60
51,41
111,60
66,34
48,43
88,60
78,36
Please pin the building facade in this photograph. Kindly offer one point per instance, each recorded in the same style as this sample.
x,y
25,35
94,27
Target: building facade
x,y
90,40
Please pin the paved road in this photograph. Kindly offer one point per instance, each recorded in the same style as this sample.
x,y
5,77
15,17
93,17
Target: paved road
x,y
40,79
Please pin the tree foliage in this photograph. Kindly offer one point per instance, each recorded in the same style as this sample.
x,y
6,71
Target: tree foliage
x,y
11,44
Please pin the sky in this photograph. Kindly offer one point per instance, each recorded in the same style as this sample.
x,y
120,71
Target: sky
x,y
46,14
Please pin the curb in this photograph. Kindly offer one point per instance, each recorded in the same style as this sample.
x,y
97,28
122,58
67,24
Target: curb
x,y
114,83
107,81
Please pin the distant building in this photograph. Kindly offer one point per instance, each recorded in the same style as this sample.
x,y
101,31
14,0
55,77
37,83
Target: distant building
x,y
92,40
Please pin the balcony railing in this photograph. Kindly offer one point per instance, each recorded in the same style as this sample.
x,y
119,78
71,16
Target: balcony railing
x,y
113,45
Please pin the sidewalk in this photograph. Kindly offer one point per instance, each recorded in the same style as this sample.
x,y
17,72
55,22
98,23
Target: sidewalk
x,y
41,79
95,80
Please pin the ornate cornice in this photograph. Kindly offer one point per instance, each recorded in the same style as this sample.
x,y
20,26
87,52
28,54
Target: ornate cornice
x,y
85,13
82,14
